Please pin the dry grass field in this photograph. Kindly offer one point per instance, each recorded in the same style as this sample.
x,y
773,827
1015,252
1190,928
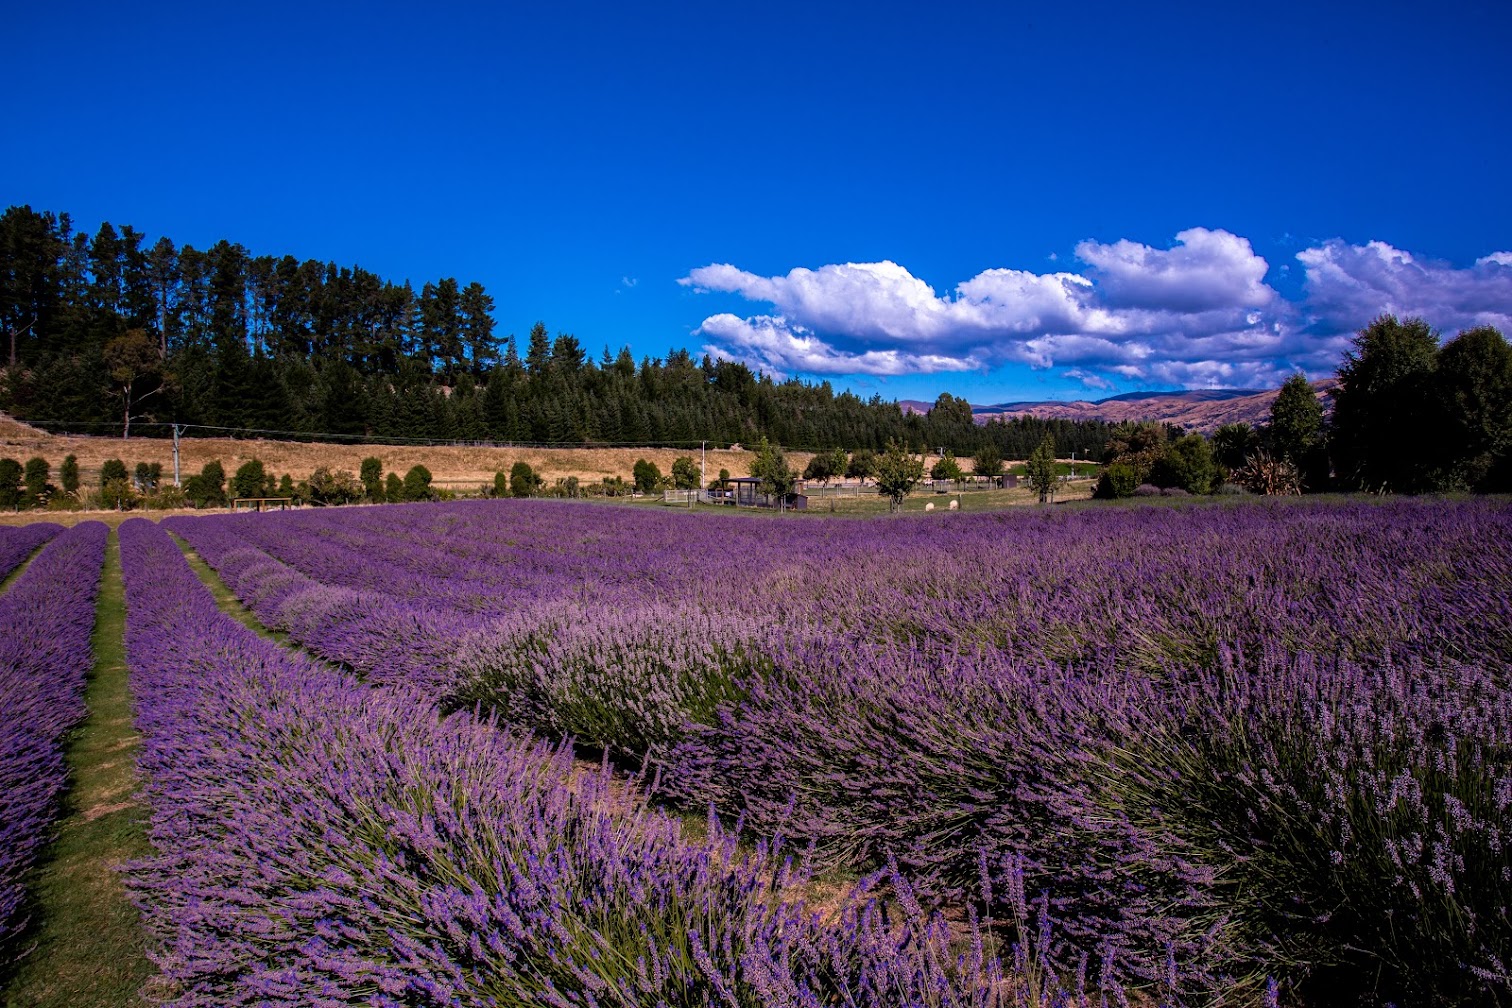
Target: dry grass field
x,y
455,468
459,468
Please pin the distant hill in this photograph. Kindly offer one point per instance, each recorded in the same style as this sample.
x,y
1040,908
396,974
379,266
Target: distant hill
x,y
1201,410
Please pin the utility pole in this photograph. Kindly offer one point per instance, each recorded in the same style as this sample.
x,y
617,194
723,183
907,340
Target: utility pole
x,y
19,332
703,465
176,429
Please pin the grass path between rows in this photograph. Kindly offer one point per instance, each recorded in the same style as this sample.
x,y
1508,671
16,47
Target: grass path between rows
x,y
90,950
226,599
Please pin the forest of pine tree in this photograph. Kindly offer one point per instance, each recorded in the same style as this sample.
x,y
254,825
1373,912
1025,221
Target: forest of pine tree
x,y
105,331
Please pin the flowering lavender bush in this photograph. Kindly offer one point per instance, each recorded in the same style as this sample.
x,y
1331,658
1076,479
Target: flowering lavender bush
x,y
46,618
321,843
1222,741
20,542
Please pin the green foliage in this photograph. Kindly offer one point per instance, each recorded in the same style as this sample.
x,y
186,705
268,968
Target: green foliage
x,y
113,469
38,490
1268,475
821,468
770,467
612,486
1381,435
862,465
1188,463
136,371
523,481
1233,444
208,488
417,485
11,494
987,461
393,488
947,468
118,494
1475,396
342,351
286,488
68,474
166,498
1140,445
1041,469
685,473
251,480
1118,479
500,484
647,476
722,481
371,475
1295,433
332,489
897,473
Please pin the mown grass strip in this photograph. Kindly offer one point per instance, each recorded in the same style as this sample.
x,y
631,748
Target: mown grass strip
x,y
226,599
20,568
90,949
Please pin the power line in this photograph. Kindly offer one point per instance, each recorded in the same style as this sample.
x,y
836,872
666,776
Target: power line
x,y
368,438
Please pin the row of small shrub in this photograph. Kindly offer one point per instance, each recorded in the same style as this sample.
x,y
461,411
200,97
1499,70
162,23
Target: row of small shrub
x,y
29,486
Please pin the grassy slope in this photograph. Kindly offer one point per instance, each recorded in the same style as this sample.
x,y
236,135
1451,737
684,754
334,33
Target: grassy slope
x,y
91,950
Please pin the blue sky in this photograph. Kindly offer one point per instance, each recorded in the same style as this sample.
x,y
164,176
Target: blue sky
x,y
998,200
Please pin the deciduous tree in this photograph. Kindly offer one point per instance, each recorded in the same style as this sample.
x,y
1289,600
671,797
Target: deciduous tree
x,y
898,472
987,461
685,473
647,476
947,468
1295,432
1475,397
136,372
1382,435
777,478
862,465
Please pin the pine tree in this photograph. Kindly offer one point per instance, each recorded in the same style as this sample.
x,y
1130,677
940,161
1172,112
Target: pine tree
x,y
371,474
1040,469
11,493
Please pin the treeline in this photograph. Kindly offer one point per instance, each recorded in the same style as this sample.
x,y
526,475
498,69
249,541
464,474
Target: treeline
x,y
1411,414
107,331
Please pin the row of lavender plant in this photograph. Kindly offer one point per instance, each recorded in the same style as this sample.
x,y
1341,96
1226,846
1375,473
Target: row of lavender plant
x,y
46,619
1155,585
868,747
324,843
20,542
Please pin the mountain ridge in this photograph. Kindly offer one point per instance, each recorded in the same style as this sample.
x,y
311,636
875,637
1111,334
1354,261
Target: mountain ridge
x,y
1200,410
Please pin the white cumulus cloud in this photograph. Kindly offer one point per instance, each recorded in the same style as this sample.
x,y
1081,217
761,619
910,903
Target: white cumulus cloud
x,y
1198,313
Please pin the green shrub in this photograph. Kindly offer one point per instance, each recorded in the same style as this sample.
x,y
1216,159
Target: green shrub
x,y
1117,480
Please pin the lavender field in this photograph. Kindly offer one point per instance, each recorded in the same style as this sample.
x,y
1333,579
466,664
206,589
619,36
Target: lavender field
x,y
46,617
1210,753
